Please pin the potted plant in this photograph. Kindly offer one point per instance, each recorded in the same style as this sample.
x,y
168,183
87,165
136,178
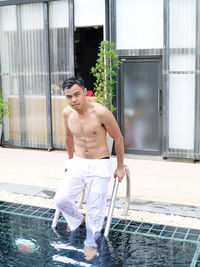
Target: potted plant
x,y
105,71
3,112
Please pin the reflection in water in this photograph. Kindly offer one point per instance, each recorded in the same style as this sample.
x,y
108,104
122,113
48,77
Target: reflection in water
x,y
26,245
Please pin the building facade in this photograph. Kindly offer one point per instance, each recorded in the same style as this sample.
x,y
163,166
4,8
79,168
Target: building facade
x,y
157,91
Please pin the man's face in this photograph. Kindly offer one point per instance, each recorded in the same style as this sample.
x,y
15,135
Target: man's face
x,y
75,96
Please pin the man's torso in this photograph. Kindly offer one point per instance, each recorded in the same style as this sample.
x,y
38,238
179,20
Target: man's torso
x,y
89,134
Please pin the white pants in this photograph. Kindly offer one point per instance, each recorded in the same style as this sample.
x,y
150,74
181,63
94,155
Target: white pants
x,y
94,175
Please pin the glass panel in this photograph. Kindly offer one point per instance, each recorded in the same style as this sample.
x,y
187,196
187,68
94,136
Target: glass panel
x,y
141,105
24,74
61,62
182,23
139,24
181,111
89,12
9,79
181,103
182,62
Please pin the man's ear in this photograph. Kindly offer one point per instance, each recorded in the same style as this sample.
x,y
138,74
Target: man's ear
x,y
85,91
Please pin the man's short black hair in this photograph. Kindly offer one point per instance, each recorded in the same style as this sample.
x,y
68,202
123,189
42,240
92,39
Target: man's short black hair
x,y
68,83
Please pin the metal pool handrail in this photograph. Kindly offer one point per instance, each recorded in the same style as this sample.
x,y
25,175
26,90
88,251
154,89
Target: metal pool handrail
x,y
128,189
112,204
113,198
128,192
57,212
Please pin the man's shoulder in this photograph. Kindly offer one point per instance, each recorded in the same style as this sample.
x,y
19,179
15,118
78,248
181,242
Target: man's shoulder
x,y
67,111
99,109
103,114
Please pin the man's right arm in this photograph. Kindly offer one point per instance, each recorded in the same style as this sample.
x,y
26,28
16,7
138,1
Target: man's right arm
x,y
69,140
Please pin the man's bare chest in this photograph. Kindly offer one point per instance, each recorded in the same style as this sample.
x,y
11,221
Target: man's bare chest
x,y
85,127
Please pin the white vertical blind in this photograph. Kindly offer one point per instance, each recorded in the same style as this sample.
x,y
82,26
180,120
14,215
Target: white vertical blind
x,y
182,62
139,24
182,85
32,19
181,111
61,62
59,14
89,12
34,76
11,23
182,23
9,81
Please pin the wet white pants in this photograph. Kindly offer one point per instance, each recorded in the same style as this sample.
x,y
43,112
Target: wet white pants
x,y
94,175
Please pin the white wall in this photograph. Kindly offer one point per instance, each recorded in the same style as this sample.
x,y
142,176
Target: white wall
x,y
89,13
139,24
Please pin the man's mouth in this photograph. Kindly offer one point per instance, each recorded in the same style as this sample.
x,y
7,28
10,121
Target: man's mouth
x,y
75,105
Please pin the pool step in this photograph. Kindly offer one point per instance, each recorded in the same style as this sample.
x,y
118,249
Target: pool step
x,y
67,260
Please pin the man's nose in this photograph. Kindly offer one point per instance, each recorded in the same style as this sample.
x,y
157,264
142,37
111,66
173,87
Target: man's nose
x,y
73,99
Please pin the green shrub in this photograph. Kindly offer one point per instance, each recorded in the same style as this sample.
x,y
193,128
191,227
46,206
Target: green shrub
x,y
105,71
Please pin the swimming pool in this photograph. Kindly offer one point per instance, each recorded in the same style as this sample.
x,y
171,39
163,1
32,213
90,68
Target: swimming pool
x,y
27,239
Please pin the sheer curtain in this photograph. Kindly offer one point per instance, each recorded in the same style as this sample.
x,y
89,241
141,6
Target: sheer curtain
x,y
61,63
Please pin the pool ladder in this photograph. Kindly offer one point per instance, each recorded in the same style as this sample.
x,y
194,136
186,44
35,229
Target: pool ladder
x,y
112,203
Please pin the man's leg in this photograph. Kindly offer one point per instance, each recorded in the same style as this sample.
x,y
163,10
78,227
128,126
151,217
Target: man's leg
x,y
96,206
65,197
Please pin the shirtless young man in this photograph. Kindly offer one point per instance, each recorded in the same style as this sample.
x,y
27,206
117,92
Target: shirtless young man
x,y
89,164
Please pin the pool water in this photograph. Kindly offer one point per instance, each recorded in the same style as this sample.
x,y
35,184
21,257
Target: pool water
x,y
27,239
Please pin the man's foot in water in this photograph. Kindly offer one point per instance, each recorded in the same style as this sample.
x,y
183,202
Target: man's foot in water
x,y
90,252
68,228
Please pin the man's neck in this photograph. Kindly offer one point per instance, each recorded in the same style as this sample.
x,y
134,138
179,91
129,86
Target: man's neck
x,y
84,109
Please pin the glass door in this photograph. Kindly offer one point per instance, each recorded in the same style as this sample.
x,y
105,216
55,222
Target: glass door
x,y
141,105
36,57
24,74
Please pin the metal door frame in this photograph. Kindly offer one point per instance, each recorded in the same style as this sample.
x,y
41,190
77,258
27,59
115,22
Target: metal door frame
x,y
120,101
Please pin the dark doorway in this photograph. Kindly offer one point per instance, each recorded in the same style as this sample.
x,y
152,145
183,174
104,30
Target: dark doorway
x,y
86,46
